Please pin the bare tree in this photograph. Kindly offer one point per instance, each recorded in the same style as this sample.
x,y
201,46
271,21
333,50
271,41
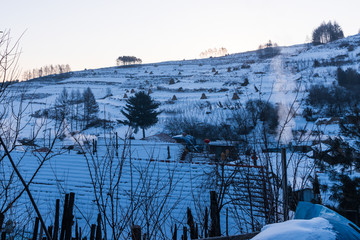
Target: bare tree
x,y
13,121
143,201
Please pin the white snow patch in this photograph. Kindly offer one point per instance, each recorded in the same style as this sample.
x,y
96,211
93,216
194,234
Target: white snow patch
x,y
316,228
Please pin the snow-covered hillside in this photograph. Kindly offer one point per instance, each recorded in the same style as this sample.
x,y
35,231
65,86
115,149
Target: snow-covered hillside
x,y
172,184
282,79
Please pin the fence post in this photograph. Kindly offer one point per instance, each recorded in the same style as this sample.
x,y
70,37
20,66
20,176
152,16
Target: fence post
x,y
227,221
98,228
116,144
116,140
35,229
64,217
70,216
284,184
168,151
56,223
174,237
2,217
136,232
184,233
92,232
190,222
206,223
215,229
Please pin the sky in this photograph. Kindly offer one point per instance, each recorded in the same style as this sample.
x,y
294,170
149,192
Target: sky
x,y
93,33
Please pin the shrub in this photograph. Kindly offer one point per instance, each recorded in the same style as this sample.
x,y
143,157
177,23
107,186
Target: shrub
x,y
316,63
333,100
266,112
319,96
349,79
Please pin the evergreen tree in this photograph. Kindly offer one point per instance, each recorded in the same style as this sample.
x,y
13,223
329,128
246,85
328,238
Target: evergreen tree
x,y
140,111
91,108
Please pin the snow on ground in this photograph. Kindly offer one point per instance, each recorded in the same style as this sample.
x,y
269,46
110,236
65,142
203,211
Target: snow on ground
x,y
149,172
316,228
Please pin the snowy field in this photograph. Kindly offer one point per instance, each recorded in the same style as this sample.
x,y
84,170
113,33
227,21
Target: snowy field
x,y
148,176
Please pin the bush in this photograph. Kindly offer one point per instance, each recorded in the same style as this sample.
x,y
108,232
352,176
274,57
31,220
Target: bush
x,y
266,112
351,48
308,114
316,63
333,100
319,96
350,79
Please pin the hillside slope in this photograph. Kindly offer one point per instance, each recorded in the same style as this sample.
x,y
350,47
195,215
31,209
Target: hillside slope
x,y
282,79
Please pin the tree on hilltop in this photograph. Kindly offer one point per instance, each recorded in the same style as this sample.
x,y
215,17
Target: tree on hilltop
x,y
126,60
140,111
268,50
327,32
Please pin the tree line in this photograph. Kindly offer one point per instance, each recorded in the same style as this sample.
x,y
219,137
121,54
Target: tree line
x,y
327,32
214,52
46,70
127,60
79,110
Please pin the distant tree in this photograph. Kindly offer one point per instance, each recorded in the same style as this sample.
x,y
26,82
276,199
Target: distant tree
x,y
214,52
126,60
46,70
62,105
266,112
327,32
268,50
140,111
332,101
91,108
75,101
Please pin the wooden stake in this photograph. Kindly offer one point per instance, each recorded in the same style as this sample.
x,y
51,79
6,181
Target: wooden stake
x,y
184,233
36,227
168,150
98,228
284,184
2,217
92,232
227,222
56,222
136,232
64,217
215,229
175,233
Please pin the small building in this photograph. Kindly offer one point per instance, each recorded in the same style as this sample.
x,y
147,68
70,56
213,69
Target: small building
x,y
219,148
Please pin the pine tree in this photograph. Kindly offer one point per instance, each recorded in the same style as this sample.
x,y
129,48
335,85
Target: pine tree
x,y
140,111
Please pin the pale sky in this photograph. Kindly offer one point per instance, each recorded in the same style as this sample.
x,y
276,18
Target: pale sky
x,y
93,33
